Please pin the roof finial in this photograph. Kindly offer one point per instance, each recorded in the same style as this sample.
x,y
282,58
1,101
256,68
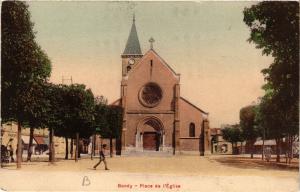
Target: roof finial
x,y
151,40
133,19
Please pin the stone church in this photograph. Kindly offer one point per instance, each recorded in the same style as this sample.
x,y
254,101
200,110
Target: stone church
x,y
156,117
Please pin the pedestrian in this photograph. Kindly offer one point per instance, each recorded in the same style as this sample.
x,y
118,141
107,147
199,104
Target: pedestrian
x,y
30,151
268,153
102,158
11,153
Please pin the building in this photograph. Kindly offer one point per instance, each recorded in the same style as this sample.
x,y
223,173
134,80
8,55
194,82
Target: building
x,y
156,116
40,139
218,144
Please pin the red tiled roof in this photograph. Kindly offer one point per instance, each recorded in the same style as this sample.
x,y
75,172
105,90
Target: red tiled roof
x,y
39,140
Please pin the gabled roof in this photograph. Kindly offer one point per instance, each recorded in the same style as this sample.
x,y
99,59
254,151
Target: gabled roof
x,y
206,113
162,61
133,45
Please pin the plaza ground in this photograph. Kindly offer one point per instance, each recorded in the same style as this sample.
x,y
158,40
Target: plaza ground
x,y
143,173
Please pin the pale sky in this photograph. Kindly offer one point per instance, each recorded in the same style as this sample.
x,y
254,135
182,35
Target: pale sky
x,y
206,42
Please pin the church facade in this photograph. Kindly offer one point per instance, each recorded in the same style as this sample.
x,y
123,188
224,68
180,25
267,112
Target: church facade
x,y
156,117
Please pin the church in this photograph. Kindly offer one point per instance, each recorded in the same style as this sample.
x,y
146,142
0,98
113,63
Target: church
x,y
156,117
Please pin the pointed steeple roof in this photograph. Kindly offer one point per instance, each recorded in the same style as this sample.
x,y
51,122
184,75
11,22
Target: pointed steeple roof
x,y
133,45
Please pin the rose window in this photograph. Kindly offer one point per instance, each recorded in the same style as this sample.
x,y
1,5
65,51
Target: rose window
x,y
150,95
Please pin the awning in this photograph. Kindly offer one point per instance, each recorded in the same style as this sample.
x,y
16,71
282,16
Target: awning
x,y
267,142
40,140
25,139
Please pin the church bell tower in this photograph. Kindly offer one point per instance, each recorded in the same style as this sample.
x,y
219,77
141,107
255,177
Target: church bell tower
x,y
132,53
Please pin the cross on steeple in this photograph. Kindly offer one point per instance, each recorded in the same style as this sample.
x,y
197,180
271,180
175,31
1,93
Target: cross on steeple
x,y
151,40
133,19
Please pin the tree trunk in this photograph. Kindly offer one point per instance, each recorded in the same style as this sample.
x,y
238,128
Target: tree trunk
x,y
241,147
236,148
94,144
67,148
286,149
51,148
19,146
252,148
110,146
93,147
50,143
77,147
30,144
71,150
232,148
262,149
290,148
277,150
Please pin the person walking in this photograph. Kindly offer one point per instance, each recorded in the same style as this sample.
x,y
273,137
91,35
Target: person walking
x,y
102,158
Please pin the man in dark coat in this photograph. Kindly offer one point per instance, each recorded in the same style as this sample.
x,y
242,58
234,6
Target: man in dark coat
x,y
102,158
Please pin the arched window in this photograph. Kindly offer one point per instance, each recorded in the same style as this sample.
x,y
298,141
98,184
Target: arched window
x,y
192,130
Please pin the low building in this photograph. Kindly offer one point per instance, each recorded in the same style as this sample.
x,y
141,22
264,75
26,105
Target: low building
x,y
40,139
219,145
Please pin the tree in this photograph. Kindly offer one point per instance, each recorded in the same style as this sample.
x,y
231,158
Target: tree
x,y
55,121
36,117
277,124
100,111
232,134
59,113
258,123
24,66
274,28
115,119
109,119
248,126
79,111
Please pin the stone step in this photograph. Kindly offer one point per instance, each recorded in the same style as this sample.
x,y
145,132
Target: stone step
x,y
146,153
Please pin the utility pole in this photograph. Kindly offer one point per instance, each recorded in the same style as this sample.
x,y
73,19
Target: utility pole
x,y
67,79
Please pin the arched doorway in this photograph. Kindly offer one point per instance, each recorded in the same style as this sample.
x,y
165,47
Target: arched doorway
x,y
150,134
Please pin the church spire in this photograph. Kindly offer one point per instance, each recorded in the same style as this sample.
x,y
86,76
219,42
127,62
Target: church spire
x,y
133,45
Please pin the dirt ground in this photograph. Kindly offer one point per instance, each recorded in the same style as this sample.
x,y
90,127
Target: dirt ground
x,y
179,165
190,173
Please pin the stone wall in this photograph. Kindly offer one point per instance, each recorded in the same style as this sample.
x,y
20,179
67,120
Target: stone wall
x,y
190,144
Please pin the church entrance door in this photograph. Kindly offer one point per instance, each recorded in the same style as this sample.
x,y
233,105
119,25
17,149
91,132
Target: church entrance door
x,y
149,134
149,140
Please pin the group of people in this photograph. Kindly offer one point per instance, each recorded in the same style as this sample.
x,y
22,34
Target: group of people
x,y
7,153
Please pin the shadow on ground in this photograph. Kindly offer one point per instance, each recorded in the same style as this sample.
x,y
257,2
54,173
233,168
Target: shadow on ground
x,y
257,163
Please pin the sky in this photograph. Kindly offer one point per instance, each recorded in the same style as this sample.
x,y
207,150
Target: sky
x,y
206,42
